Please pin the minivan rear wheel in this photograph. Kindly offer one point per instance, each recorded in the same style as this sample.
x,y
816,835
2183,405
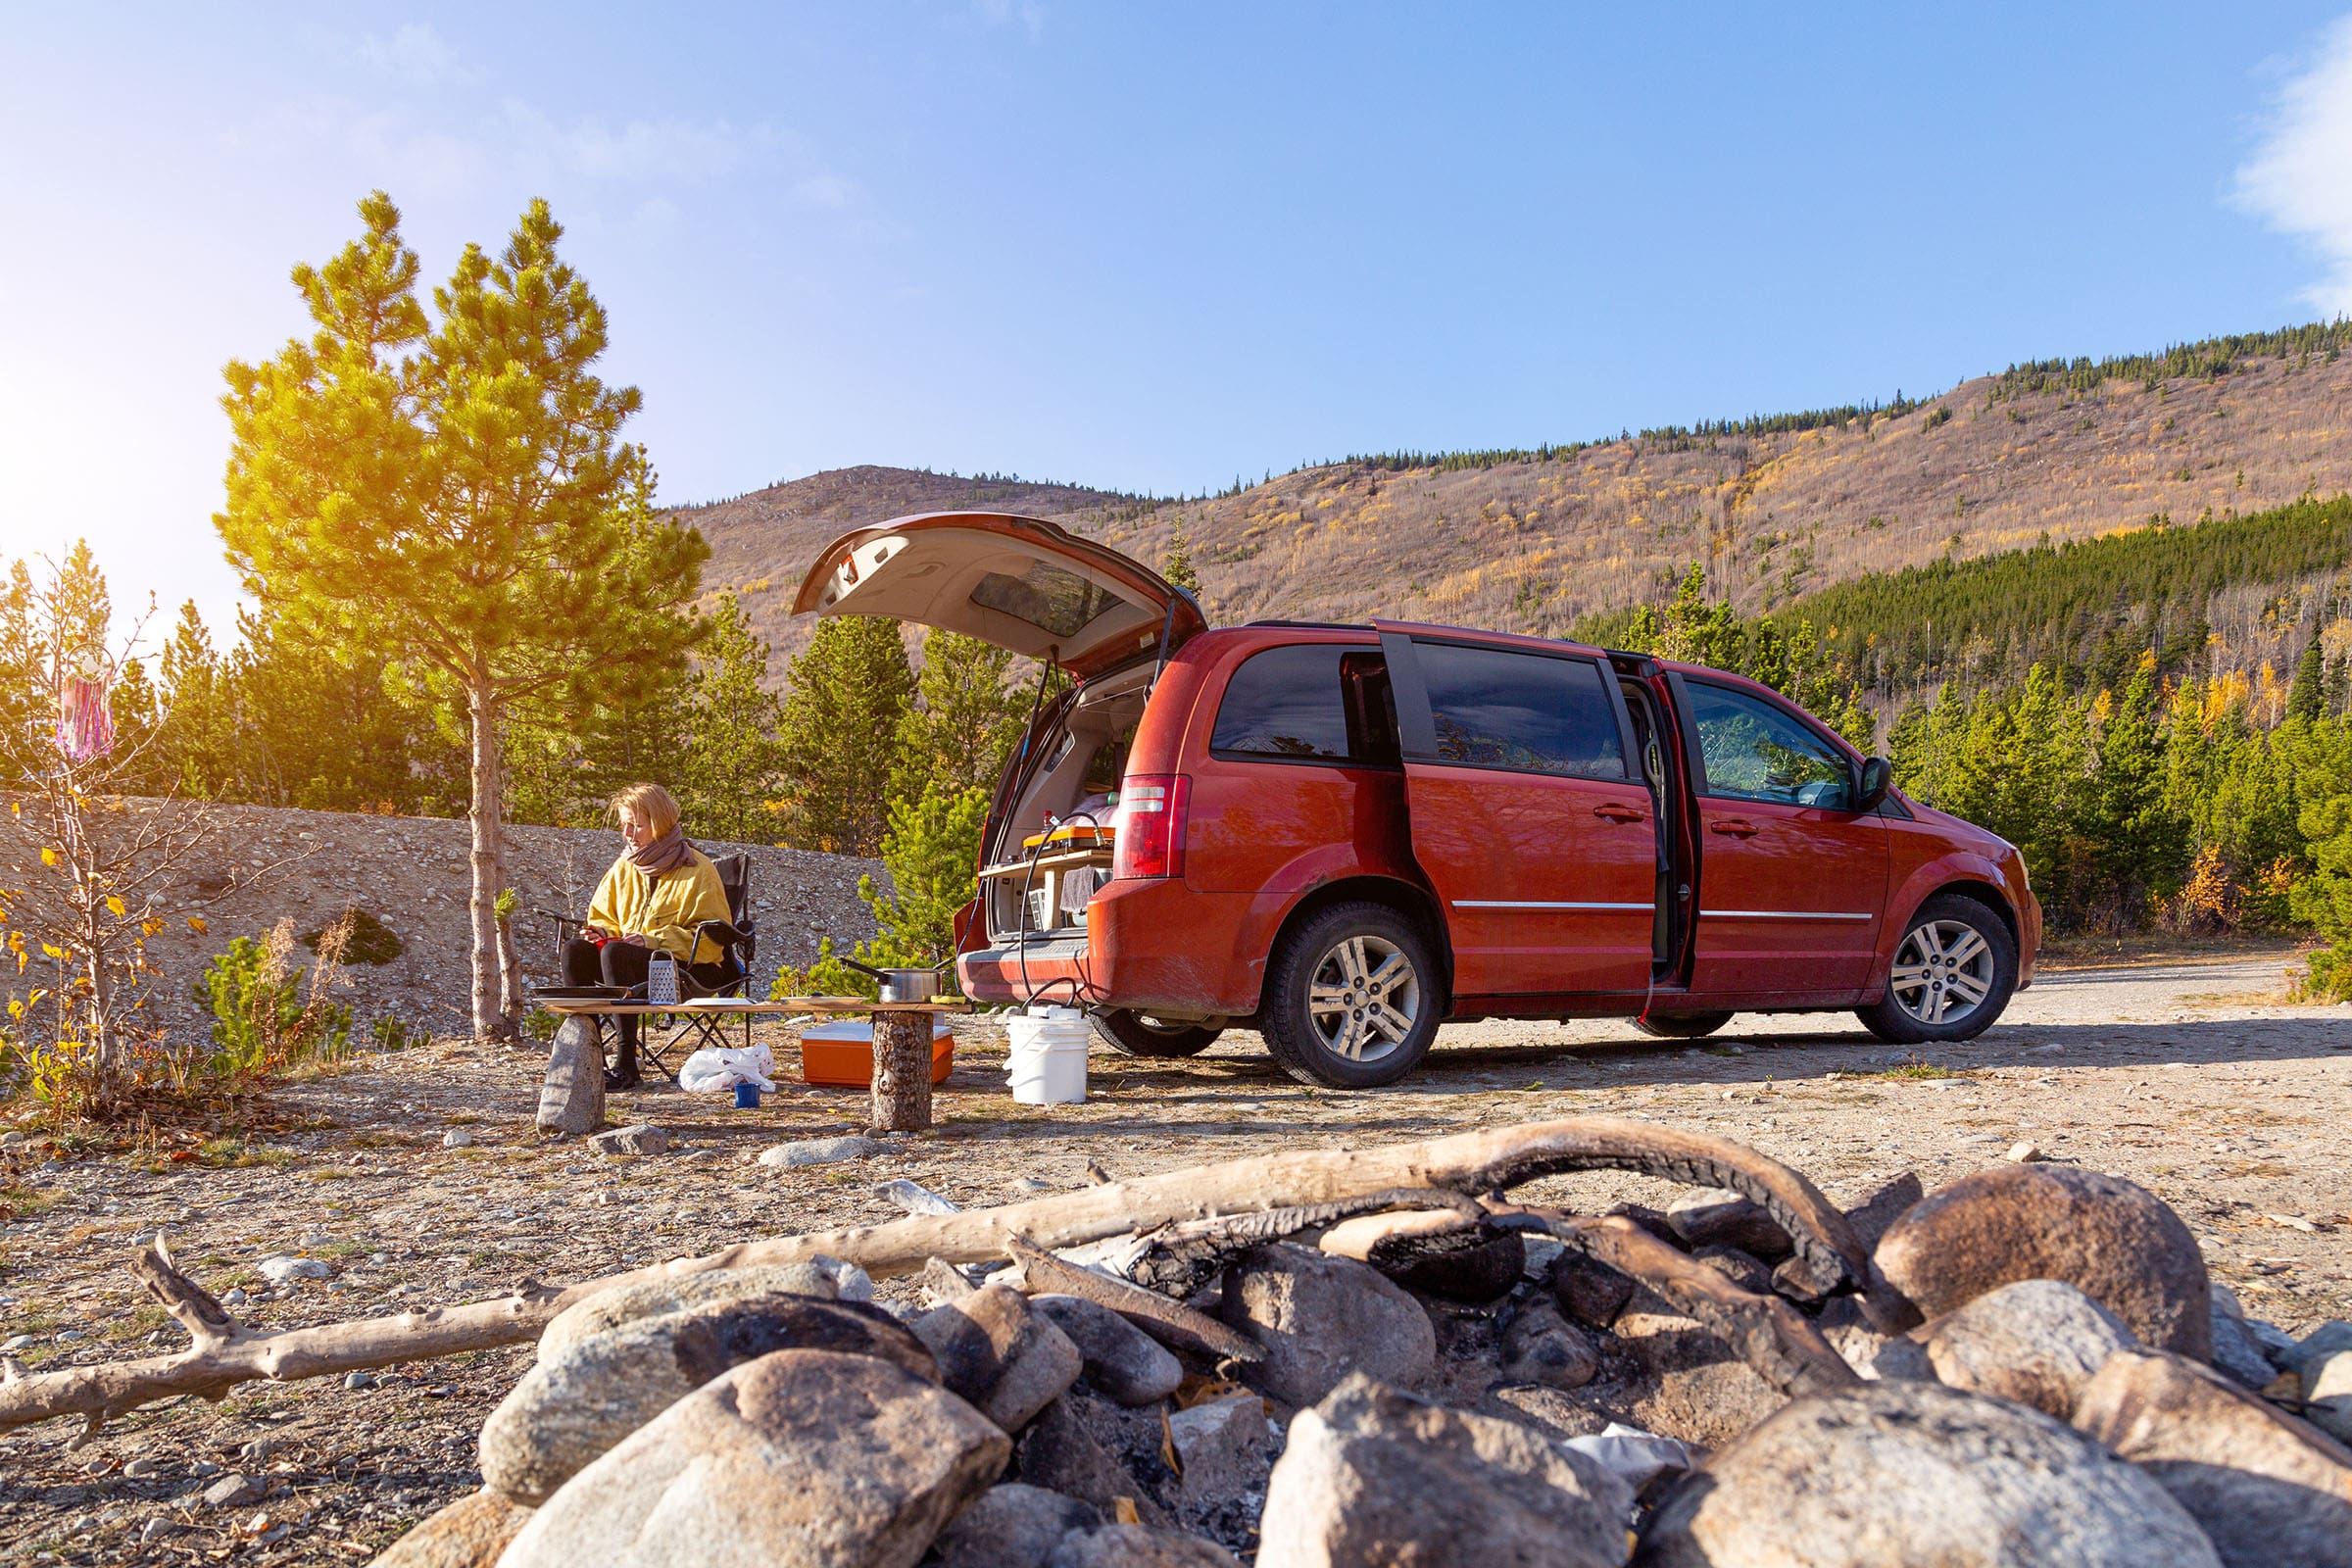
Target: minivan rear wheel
x,y
1351,997
1951,975
1141,1034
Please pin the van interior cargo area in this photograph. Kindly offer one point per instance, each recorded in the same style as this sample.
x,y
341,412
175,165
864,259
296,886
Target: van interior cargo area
x,y
1031,889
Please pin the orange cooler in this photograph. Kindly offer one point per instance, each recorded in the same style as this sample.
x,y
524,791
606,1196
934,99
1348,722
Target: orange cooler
x,y
841,1055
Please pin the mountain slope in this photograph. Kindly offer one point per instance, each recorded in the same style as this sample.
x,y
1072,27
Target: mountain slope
x,y
1530,542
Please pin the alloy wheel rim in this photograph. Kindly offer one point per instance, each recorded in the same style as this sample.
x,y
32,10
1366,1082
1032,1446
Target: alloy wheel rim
x,y
1364,999
1943,972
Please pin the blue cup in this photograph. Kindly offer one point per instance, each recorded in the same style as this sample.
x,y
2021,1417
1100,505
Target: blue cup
x,y
747,1096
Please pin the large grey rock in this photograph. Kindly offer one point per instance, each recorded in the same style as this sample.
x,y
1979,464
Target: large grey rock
x,y
2238,1354
2269,1490
995,1350
1589,1290
2037,1342
2114,1241
1542,1347
1915,1475
625,1303
2325,1341
1740,1268
1881,1207
1720,1217
820,1152
1136,1547
470,1533
1122,1359
1012,1523
573,1407
571,1101
2327,1383
1436,1252
1224,1449
639,1138
800,1459
1077,1445
1318,1318
1373,1475
1679,1379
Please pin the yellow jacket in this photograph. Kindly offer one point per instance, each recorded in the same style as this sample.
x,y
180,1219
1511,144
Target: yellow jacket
x,y
663,910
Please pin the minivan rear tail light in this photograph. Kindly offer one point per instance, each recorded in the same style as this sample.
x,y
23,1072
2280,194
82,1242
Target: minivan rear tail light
x,y
1152,812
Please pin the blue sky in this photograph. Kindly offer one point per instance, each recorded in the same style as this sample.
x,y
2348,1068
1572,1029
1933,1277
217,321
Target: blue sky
x,y
1149,247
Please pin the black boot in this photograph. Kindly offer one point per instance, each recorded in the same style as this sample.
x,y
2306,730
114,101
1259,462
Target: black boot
x,y
622,1074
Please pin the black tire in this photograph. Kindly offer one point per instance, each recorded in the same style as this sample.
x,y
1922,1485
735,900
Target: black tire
x,y
1139,1034
1302,1038
1682,1025
1926,973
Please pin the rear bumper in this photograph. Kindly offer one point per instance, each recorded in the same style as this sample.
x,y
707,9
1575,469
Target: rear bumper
x,y
1154,945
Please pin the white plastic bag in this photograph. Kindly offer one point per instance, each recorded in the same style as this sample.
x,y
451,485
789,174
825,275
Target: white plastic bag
x,y
1633,1454
716,1069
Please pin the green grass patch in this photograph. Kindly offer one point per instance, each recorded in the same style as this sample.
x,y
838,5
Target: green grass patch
x,y
1915,1072
16,1200
234,1153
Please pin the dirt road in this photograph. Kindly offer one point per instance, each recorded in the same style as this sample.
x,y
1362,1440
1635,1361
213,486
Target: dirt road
x,y
2192,1078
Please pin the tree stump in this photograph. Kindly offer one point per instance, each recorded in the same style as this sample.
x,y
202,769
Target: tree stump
x,y
901,1071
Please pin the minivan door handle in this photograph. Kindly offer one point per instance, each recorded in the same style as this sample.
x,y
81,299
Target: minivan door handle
x,y
1739,827
1614,813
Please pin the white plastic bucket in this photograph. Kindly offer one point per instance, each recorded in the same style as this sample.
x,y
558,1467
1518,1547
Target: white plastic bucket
x,y
1047,1062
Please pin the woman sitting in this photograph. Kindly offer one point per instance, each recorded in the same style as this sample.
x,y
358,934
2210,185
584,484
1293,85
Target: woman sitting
x,y
651,899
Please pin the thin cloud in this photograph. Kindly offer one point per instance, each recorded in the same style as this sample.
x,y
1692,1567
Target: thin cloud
x,y
2299,179
417,55
1028,15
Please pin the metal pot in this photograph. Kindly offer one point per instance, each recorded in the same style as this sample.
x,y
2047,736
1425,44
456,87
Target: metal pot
x,y
902,985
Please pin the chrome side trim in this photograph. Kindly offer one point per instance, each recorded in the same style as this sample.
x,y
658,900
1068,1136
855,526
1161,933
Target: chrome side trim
x,y
1534,903
1780,915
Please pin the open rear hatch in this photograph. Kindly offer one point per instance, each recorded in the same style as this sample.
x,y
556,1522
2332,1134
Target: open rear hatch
x,y
1021,583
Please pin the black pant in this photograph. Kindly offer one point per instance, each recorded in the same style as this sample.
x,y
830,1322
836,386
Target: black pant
x,y
623,963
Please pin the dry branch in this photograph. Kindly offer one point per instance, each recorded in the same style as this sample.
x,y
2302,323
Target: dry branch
x,y
1481,1162
1171,1322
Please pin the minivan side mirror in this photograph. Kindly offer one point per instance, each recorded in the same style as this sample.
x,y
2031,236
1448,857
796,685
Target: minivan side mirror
x,y
1878,777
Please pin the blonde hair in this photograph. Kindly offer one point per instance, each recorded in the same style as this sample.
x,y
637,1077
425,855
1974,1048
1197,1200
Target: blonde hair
x,y
652,805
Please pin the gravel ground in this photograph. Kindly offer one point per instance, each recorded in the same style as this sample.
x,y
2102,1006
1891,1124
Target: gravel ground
x,y
2193,1078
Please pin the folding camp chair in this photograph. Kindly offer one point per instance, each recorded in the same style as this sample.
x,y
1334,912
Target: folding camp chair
x,y
738,938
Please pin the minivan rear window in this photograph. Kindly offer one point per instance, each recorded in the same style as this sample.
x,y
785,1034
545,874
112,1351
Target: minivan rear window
x,y
1528,713
1049,597
1314,701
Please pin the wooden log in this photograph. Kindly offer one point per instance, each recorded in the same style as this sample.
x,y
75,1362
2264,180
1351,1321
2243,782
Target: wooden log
x,y
1476,1161
1170,1322
901,1071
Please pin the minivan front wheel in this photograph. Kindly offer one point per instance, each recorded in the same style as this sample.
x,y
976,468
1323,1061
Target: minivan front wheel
x,y
1141,1034
1351,997
1951,976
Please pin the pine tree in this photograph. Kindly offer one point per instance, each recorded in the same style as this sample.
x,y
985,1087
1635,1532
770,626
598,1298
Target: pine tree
x,y
2307,698
2324,899
964,723
931,853
1176,563
731,765
453,495
844,701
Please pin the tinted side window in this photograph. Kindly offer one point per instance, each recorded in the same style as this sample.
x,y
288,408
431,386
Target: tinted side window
x,y
1754,751
1497,709
1319,701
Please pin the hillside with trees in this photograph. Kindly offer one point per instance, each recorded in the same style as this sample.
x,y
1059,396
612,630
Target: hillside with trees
x,y
1776,507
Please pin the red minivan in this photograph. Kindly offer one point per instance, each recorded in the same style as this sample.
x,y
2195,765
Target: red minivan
x,y
1344,835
